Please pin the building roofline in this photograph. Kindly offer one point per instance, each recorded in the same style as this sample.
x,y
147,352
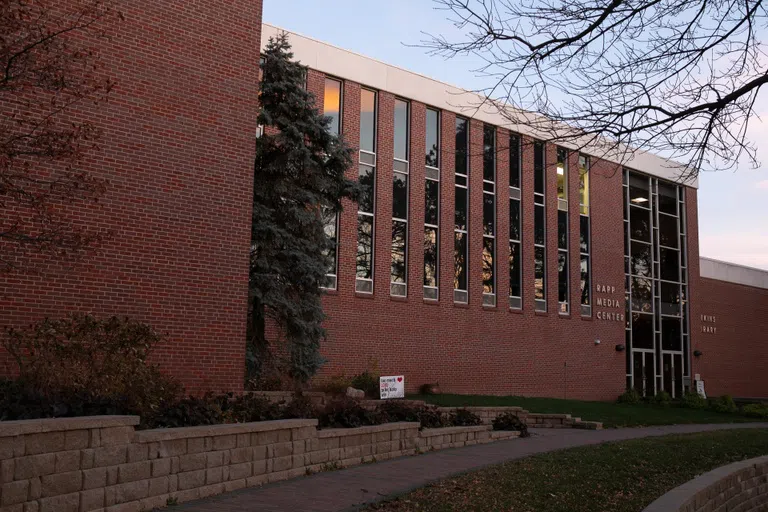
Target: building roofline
x,y
347,64
711,268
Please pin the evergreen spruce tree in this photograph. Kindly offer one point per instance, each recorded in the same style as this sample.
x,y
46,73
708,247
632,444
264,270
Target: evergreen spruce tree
x,y
299,183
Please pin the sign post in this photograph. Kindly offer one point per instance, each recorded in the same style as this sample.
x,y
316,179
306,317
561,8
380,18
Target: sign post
x,y
392,387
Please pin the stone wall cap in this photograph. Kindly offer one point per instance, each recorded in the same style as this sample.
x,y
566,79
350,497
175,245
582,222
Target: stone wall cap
x,y
429,432
675,499
42,425
168,434
372,429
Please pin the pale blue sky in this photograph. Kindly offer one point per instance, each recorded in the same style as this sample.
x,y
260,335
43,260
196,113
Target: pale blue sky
x,y
733,206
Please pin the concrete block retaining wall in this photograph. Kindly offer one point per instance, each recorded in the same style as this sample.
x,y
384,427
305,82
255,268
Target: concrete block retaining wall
x,y
738,487
102,462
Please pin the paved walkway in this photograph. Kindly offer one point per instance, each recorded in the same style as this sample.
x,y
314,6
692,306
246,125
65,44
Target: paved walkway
x,y
350,488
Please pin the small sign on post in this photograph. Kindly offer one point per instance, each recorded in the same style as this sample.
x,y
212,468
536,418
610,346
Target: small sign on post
x,y
700,388
392,387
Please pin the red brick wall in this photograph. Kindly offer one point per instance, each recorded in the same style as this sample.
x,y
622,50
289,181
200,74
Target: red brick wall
x,y
472,348
177,149
734,358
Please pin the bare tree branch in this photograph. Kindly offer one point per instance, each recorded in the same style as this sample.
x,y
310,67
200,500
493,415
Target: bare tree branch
x,y
676,77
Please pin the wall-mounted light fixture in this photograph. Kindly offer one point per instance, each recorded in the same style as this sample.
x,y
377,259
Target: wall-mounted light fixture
x,y
698,353
620,348
597,341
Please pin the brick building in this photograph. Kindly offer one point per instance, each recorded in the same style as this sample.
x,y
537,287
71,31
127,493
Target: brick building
x,y
496,264
480,259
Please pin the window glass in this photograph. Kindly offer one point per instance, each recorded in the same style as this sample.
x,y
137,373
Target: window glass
x,y
329,226
515,286
584,233
584,184
461,208
489,207
401,129
431,193
366,176
642,330
332,105
538,167
639,194
399,234
514,161
640,224
667,198
514,219
400,196
461,146
642,294
430,257
640,262
670,265
585,299
432,145
538,265
562,229
364,246
488,266
670,299
671,337
668,234
489,153
460,261
562,272
367,120
538,234
562,178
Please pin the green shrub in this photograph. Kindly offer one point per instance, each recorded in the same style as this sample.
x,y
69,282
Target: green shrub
x,y
337,384
509,421
756,410
630,396
662,398
693,400
82,359
724,404
247,408
391,411
187,412
368,381
464,418
300,407
346,413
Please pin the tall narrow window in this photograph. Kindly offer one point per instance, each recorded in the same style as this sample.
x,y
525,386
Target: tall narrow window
x,y
489,215
562,231
584,236
539,229
461,216
515,255
366,205
399,278
432,205
332,109
656,286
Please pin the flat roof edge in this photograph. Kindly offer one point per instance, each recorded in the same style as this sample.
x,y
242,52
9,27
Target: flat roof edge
x,y
733,273
346,64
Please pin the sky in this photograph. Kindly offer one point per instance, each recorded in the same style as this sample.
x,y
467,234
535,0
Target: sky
x,y
733,205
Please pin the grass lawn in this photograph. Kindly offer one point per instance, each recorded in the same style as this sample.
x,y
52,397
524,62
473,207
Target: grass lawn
x,y
610,413
618,477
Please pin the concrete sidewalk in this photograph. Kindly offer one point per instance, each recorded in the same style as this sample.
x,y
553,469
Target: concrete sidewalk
x,y
353,487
